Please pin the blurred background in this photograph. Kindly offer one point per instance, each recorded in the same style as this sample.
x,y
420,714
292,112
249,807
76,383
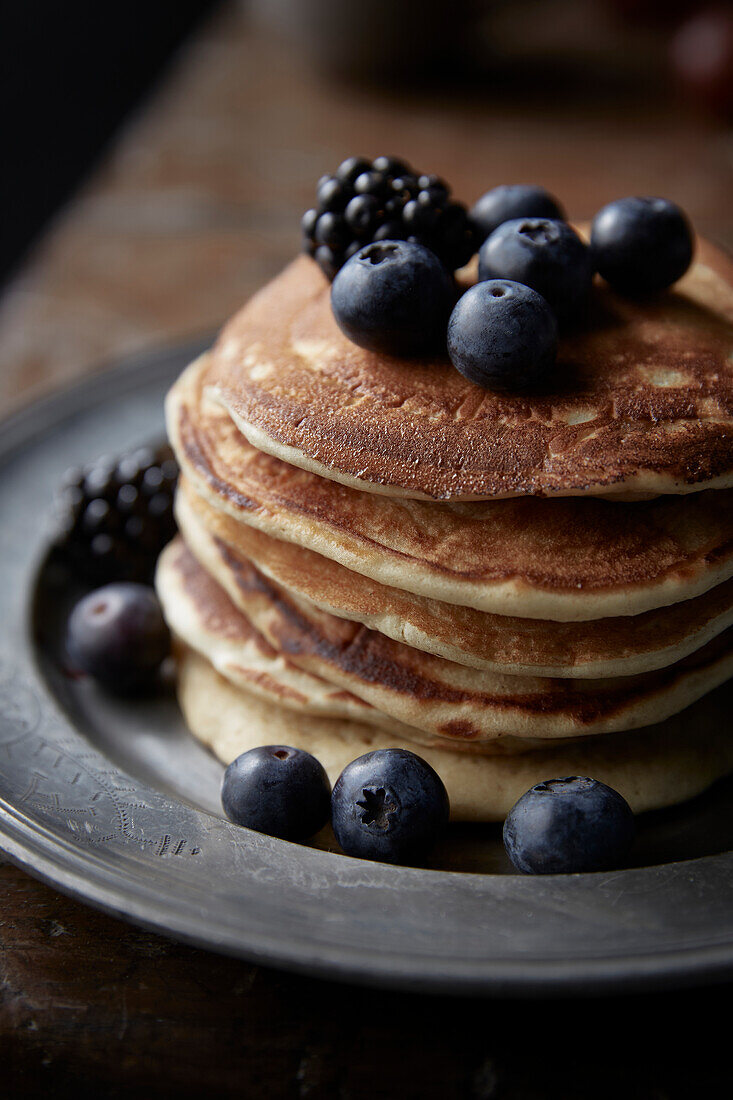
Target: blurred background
x,y
157,156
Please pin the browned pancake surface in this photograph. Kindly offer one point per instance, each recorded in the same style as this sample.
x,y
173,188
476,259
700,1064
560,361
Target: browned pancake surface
x,y
446,700
642,398
564,559
202,617
602,647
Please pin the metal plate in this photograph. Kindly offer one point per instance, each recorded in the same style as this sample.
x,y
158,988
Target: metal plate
x,y
117,805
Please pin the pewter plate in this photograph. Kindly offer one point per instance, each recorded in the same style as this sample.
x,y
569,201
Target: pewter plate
x,y
115,804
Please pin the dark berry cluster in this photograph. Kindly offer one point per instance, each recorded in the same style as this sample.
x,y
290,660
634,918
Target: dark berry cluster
x,y
383,199
116,515
535,273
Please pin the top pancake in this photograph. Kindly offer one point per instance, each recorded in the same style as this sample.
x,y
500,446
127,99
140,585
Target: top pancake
x,y
566,560
642,399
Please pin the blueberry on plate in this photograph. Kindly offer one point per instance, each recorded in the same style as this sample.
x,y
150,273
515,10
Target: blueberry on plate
x,y
277,790
502,335
567,825
517,200
117,635
389,805
641,245
543,253
393,297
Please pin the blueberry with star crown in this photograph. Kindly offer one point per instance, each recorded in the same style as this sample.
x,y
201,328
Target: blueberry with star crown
x,y
544,254
389,805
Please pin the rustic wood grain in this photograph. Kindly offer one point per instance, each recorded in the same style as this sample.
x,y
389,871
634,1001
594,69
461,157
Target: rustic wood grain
x,y
198,204
93,1007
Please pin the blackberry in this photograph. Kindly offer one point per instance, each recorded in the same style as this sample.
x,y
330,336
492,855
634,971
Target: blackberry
x,y
116,515
381,200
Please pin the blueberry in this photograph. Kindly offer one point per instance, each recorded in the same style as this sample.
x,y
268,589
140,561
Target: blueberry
x,y
545,254
389,805
567,825
510,201
277,790
393,297
502,335
117,635
641,245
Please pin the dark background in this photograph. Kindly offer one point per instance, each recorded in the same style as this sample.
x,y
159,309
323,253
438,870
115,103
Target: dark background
x,y
69,73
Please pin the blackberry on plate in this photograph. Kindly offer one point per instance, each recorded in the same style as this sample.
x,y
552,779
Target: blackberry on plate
x,y
384,199
116,515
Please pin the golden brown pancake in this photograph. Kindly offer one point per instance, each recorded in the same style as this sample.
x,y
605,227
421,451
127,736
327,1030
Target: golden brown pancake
x,y
623,646
203,618
651,768
199,612
562,559
445,700
641,400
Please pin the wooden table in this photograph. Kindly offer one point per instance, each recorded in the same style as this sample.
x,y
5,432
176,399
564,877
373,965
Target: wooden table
x,y
197,205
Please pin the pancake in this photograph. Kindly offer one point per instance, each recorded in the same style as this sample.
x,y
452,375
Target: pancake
x,y
623,646
203,618
200,613
641,402
447,701
657,767
565,560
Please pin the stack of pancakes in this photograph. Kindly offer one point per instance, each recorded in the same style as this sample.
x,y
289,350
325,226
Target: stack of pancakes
x,y
375,552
